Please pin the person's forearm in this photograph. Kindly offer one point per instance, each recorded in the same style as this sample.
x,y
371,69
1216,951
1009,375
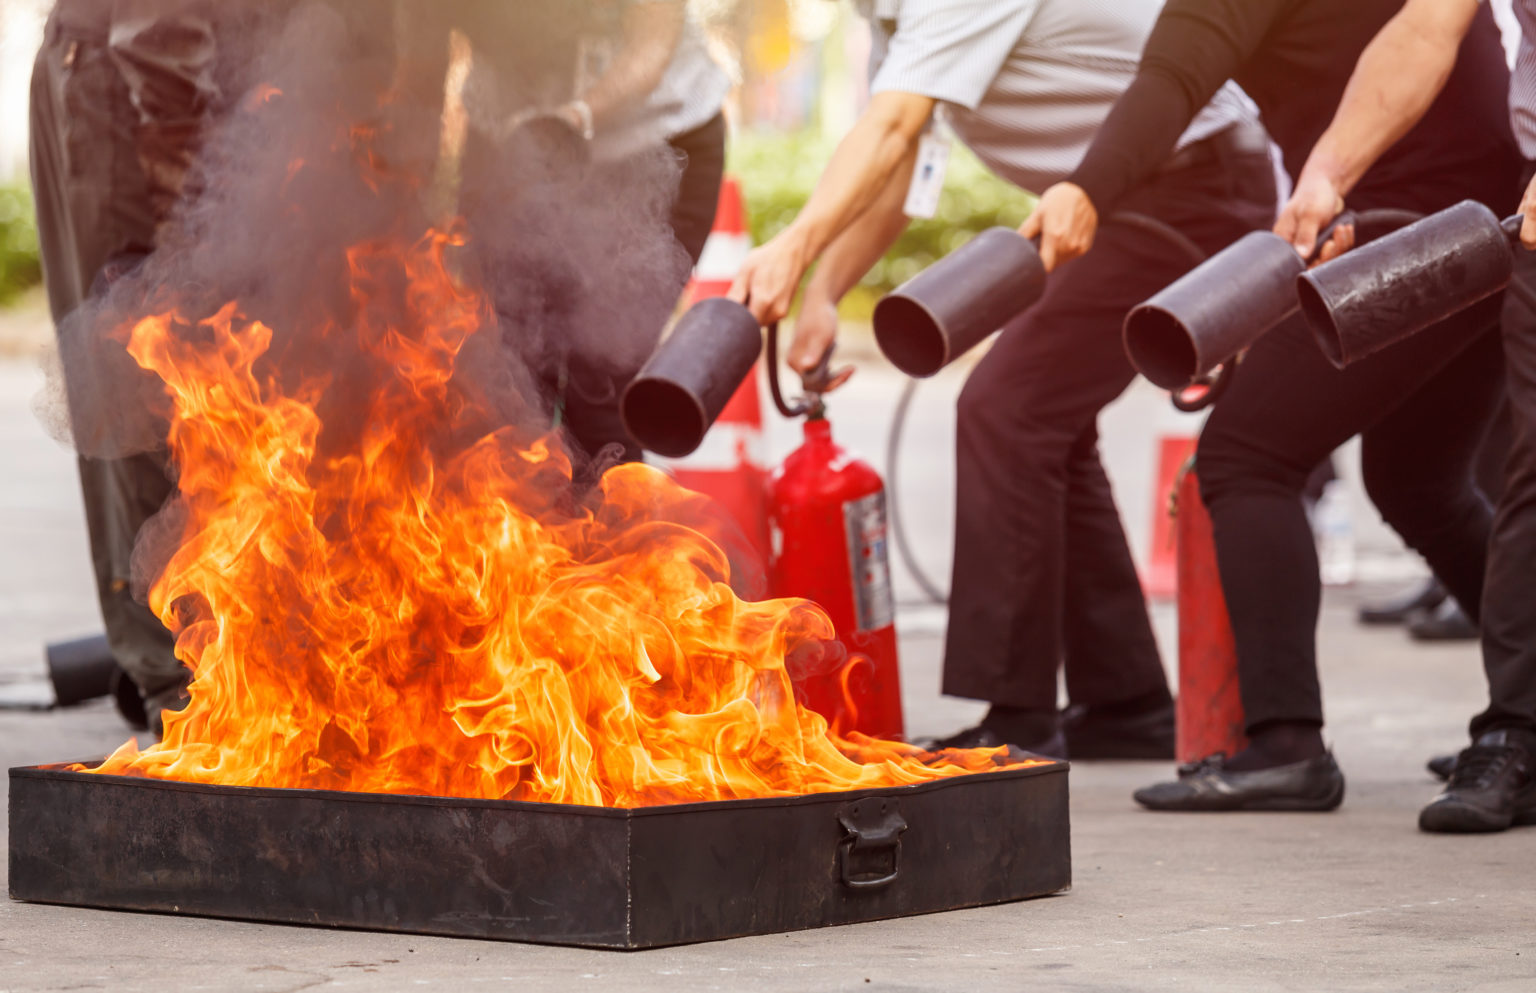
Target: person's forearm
x,y
861,170
866,240
1397,78
651,33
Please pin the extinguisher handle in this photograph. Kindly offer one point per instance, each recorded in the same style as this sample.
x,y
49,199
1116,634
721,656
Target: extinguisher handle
x,y
819,379
814,382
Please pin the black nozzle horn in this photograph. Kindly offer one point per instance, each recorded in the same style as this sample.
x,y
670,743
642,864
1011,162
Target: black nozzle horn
x,y
1400,284
673,402
1214,311
943,312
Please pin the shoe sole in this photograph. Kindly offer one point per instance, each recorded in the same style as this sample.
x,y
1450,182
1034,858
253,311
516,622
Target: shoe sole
x,y
1273,804
1463,818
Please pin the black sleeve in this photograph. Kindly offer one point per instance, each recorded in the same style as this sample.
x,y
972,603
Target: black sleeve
x,y
1195,47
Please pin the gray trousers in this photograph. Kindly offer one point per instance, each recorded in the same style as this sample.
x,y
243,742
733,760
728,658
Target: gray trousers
x,y
93,203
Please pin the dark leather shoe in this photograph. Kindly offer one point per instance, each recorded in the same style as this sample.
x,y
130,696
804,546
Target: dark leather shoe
x,y
1316,784
1401,610
1054,747
1092,734
1441,766
1493,787
1447,622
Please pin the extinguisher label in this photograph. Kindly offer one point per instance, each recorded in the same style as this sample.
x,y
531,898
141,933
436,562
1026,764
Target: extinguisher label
x,y
868,561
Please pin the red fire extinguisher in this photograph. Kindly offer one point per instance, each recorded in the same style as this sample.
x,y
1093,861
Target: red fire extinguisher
x,y
827,521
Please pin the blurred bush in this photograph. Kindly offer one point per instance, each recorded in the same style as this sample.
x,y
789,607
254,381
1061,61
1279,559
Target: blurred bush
x,y
19,264
779,171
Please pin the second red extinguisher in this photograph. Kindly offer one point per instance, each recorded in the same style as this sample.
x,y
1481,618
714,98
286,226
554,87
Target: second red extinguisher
x,y
830,541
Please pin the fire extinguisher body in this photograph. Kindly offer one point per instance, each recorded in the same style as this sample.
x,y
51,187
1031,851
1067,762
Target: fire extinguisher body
x,y
829,535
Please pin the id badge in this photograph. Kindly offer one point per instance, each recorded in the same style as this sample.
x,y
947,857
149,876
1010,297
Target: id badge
x,y
928,177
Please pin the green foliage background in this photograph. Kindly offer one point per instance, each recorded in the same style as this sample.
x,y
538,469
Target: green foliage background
x,y
19,265
779,171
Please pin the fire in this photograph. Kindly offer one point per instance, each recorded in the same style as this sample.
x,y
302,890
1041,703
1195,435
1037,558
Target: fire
x,y
402,616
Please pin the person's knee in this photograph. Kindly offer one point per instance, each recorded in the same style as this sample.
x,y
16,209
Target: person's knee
x,y
1415,498
982,412
1222,462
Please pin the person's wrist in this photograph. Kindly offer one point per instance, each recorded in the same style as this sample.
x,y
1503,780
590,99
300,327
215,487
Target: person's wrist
x,y
1326,171
818,293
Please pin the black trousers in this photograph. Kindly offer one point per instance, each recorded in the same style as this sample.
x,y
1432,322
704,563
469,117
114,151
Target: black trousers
x,y
1043,574
1509,595
1422,409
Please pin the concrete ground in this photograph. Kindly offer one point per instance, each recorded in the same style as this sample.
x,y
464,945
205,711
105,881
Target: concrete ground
x,y
1354,900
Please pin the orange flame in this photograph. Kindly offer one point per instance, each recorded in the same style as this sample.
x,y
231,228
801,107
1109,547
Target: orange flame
x,y
390,620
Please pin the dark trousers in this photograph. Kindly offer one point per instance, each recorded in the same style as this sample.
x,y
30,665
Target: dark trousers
x,y
93,203
1509,595
1422,407
1043,574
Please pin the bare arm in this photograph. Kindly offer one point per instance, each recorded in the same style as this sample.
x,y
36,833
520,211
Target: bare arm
x,y
652,29
860,171
1396,80
845,262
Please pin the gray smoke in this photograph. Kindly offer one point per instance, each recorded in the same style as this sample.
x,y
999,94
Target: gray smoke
x,y
577,258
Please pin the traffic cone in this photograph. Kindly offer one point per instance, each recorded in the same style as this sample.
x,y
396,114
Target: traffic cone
x,y
1161,580
1210,708
725,250
730,466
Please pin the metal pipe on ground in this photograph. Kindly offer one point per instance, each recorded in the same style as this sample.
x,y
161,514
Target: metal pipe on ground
x,y
81,670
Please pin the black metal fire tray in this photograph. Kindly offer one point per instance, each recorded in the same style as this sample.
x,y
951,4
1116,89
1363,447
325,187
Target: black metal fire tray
x,y
551,873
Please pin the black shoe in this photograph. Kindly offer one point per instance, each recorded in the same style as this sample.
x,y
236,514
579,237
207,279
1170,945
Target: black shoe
x,y
1316,784
1447,622
1092,734
1492,788
1054,747
1400,611
1441,766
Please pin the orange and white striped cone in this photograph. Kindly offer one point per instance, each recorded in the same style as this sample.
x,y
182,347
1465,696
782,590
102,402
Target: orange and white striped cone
x,y
1160,582
730,466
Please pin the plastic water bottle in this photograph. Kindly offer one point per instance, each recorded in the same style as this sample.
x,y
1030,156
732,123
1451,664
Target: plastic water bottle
x,y
1334,526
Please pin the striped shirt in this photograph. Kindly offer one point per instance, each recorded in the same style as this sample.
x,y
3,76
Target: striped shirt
x,y
1025,83
689,96
1522,96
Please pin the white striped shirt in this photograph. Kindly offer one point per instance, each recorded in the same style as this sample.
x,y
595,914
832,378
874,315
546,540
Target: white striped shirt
x,y
1025,83
1522,96
689,95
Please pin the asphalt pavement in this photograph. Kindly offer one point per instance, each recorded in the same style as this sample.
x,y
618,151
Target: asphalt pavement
x,y
1353,900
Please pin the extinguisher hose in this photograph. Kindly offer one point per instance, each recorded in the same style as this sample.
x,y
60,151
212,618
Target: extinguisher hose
x,y
899,537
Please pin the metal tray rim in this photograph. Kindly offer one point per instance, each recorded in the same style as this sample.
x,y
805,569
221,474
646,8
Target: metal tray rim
x,y
57,772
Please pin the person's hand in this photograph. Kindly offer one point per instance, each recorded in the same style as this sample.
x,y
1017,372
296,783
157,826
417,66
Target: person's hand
x,y
1312,207
815,334
1528,208
770,277
1065,220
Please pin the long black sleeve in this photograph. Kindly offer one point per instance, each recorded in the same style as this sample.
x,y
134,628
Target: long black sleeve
x,y
1195,47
